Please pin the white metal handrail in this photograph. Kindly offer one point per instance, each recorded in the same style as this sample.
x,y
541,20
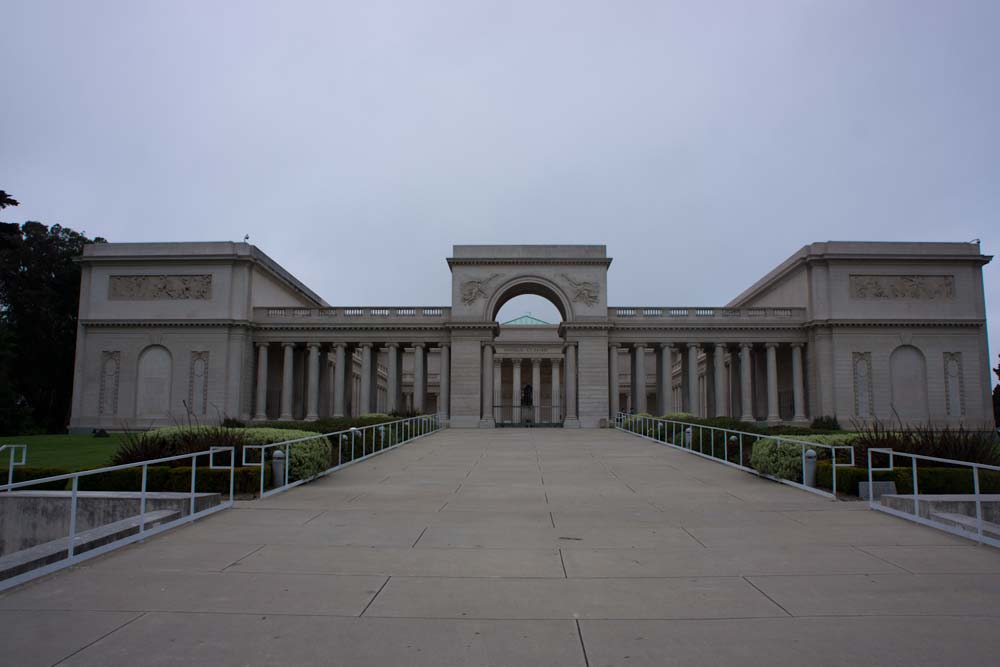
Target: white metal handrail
x,y
915,516
399,432
664,431
143,532
12,460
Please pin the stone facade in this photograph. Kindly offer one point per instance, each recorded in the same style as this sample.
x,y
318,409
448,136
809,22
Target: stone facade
x,y
172,332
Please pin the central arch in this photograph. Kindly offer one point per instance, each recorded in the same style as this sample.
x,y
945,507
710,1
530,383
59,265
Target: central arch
x,y
536,285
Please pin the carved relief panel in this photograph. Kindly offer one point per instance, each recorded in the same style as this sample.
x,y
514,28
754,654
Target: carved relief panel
x,y
107,401
954,385
913,287
160,287
198,383
864,401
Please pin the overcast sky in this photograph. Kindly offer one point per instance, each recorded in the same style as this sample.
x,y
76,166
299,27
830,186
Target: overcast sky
x,y
702,142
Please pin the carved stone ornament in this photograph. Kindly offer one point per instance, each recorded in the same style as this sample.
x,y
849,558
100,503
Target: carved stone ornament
x,y
922,288
474,289
864,396
583,291
198,383
107,400
163,287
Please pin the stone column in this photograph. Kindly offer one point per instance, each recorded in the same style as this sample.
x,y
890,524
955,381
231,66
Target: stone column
x,y
694,397
342,377
772,383
639,377
556,388
536,388
720,380
444,383
613,407
798,386
368,380
261,413
746,384
287,380
665,379
394,395
570,409
497,386
516,396
312,383
487,388
419,377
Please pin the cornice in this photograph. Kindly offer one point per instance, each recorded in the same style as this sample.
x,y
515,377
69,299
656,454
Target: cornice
x,y
346,327
459,325
966,324
191,324
483,261
729,327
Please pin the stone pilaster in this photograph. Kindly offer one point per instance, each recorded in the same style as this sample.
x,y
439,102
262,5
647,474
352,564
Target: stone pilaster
x,y
746,383
664,379
419,378
536,388
798,385
556,390
571,418
312,383
342,380
487,421
261,407
719,376
444,382
694,396
772,383
287,381
613,407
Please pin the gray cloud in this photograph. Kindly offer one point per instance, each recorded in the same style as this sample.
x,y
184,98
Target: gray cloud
x,y
702,142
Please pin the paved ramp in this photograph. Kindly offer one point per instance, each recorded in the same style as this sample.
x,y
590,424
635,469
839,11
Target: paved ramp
x,y
524,547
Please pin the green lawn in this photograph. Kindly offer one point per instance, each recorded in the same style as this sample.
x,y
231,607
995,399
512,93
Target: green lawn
x,y
70,452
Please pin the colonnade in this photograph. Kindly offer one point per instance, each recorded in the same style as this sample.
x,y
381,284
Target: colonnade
x,y
341,368
741,361
554,410
491,379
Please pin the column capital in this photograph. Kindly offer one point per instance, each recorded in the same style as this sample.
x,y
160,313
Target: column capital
x,y
536,361
392,346
696,346
667,346
419,346
797,345
444,345
516,360
261,344
340,346
770,345
721,345
746,346
314,346
615,346
555,362
288,344
639,346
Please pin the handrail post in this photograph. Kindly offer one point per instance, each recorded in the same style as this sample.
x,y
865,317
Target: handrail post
x,y
871,495
833,457
194,472
72,516
232,473
916,493
263,451
288,462
142,500
979,502
802,455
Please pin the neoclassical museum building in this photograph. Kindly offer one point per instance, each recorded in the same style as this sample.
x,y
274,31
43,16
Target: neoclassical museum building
x,y
177,332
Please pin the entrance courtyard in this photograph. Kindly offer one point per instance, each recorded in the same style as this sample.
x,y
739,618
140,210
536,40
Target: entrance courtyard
x,y
524,547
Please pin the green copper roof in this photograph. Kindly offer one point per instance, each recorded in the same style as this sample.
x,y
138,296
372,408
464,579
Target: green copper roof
x,y
525,321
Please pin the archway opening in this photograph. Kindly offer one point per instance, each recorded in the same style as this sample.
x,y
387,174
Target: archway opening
x,y
528,361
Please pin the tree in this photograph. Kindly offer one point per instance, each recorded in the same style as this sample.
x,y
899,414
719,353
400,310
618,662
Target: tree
x,y
6,200
39,302
996,397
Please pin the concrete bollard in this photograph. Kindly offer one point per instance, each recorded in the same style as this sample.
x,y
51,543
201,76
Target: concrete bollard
x,y
810,469
687,437
734,441
278,467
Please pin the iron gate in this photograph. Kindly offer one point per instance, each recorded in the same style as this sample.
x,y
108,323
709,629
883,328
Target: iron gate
x,y
544,414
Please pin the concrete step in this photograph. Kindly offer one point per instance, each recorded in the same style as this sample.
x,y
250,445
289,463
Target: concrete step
x,y
967,523
40,555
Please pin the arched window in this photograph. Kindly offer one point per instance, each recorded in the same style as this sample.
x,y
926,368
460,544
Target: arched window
x,y
908,370
153,382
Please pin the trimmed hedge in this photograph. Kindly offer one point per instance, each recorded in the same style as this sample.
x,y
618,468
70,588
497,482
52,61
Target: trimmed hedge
x,y
329,424
929,480
246,480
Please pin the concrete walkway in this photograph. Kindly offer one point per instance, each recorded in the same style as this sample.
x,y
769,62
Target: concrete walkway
x,y
524,547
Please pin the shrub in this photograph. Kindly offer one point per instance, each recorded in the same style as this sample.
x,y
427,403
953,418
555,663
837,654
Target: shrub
x,y
306,459
825,423
962,444
25,473
331,424
930,480
783,459
178,440
246,480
